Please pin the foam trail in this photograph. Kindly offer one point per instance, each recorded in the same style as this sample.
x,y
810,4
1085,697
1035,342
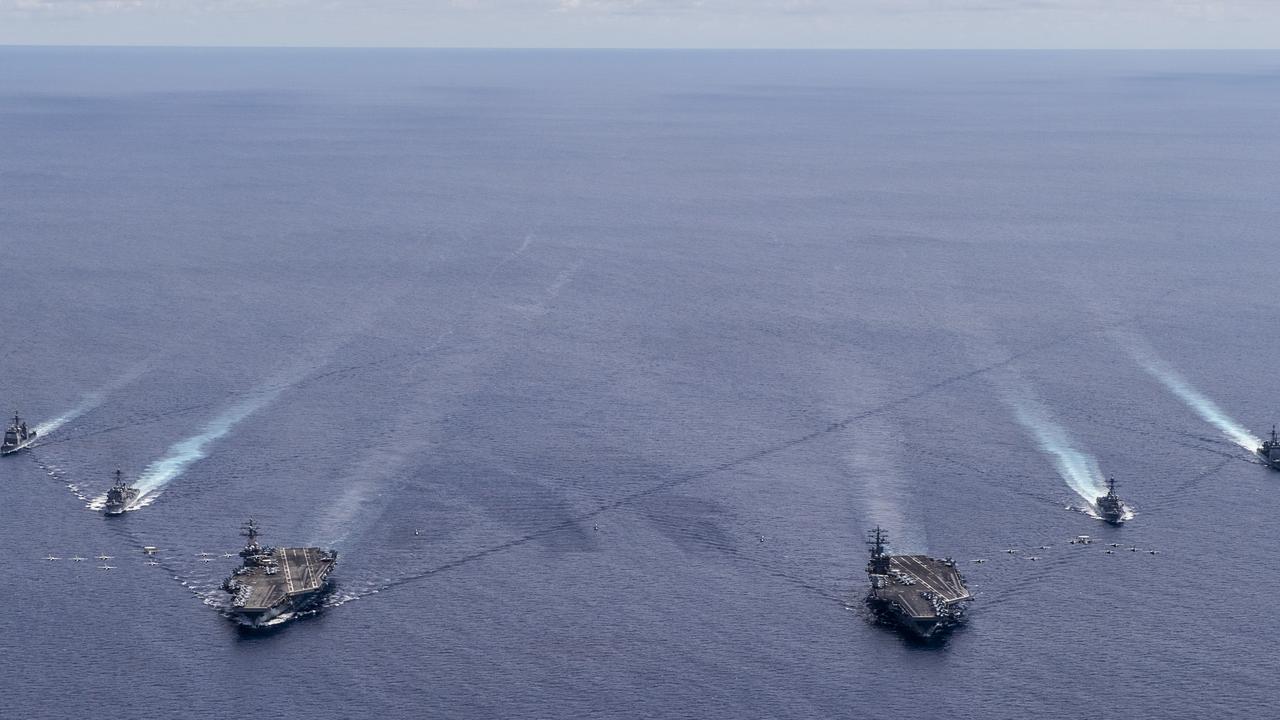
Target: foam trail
x,y
1079,469
90,401
1207,409
185,452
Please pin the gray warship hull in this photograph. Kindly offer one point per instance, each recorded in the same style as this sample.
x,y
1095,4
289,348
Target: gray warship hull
x,y
1113,516
11,449
1269,452
1110,506
16,437
290,582
14,442
119,504
119,497
1270,456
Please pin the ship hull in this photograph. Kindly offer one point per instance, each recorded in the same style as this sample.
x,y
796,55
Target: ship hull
x,y
11,449
1271,462
119,508
283,613
930,628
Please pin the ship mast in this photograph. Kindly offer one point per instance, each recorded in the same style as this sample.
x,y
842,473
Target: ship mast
x,y
250,530
878,540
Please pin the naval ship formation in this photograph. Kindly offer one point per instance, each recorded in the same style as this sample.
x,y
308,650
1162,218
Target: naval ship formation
x,y
924,596
275,585
17,436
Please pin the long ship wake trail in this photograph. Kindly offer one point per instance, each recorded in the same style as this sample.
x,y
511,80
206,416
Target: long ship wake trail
x,y
1158,368
185,452
1078,468
90,401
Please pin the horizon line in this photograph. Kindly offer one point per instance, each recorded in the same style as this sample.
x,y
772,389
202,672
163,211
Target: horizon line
x,y
637,48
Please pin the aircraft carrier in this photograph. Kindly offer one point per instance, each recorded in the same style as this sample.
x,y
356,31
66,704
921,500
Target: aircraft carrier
x,y
275,585
16,436
1270,451
922,595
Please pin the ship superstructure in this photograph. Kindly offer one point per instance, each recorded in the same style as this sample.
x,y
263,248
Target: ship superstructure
x,y
275,585
1270,451
17,436
923,595
119,496
1110,506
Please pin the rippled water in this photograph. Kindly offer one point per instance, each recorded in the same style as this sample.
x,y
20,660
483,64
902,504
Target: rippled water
x,y
595,368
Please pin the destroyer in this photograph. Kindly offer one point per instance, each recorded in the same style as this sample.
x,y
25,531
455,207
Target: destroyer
x,y
1110,506
275,585
17,436
924,596
1270,451
119,497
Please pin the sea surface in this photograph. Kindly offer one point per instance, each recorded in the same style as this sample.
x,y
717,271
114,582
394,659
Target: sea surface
x,y
596,368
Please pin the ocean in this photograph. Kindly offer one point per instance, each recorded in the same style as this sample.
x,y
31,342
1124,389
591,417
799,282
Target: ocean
x,y
596,367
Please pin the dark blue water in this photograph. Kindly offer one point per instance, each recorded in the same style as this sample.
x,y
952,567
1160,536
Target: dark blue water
x,y
597,366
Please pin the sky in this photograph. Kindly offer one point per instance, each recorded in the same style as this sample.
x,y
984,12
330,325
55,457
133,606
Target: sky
x,y
648,23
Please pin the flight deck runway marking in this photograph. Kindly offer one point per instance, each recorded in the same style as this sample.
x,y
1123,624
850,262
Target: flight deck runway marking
x,y
308,575
288,575
929,577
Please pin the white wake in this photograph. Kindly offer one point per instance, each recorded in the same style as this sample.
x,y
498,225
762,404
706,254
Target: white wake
x,y
1146,356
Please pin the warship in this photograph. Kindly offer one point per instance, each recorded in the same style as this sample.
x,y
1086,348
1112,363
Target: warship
x,y
17,436
119,497
1110,506
1270,451
275,585
924,596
